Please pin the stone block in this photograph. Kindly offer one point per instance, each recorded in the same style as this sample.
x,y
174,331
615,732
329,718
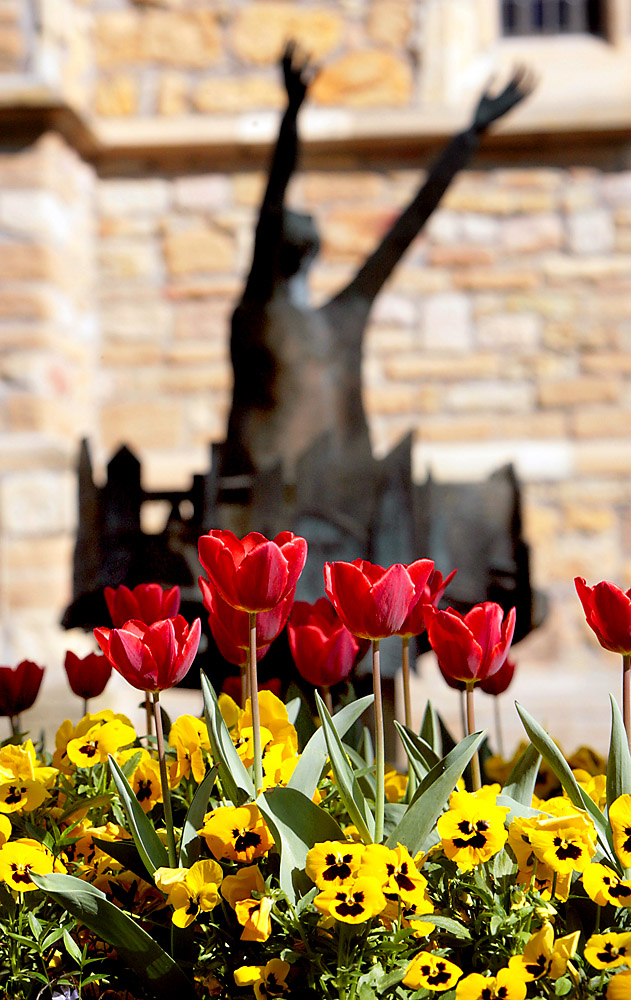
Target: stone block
x,y
189,38
117,37
124,260
421,281
209,320
443,367
173,94
33,305
603,458
389,341
493,396
12,49
248,188
394,310
496,279
579,391
37,502
26,262
25,412
137,318
364,79
532,233
459,256
236,95
390,22
601,422
616,188
36,214
572,335
446,322
352,233
518,331
534,461
391,399
559,269
198,249
36,589
615,363
335,185
206,378
119,196
131,354
591,231
141,424
202,192
259,32
116,95
31,553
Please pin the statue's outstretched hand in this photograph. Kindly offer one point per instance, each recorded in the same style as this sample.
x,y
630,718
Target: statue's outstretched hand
x,y
491,108
298,73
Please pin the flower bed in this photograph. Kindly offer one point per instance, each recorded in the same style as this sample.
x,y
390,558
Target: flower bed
x,y
257,853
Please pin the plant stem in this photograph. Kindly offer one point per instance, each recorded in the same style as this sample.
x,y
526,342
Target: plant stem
x,y
476,779
380,753
405,659
148,713
244,683
463,718
254,703
15,725
327,697
626,694
164,781
85,706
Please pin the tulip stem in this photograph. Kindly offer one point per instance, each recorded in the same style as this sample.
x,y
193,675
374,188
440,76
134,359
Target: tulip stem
x,y
327,697
254,703
380,755
164,781
463,714
626,694
407,701
15,725
85,706
476,779
244,683
148,713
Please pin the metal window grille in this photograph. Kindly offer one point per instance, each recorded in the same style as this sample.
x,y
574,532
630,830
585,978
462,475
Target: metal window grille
x,y
551,17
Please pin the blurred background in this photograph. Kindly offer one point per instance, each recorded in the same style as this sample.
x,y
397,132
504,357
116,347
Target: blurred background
x,y
134,141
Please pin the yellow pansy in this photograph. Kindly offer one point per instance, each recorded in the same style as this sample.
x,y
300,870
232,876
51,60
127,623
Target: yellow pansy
x,y
19,858
190,891
68,732
333,862
395,869
543,956
620,819
236,833
564,843
94,746
594,784
229,709
506,985
430,971
353,902
472,830
252,913
395,785
603,886
5,829
189,737
608,951
267,981
273,717
408,913
619,987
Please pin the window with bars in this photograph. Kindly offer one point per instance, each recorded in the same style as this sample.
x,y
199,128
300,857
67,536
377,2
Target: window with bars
x,y
552,17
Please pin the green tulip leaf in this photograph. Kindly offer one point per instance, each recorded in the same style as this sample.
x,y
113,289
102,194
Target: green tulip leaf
x,y
293,709
150,848
522,780
235,780
128,854
314,756
153,966
421,755
190,843
430,729
619,761
432,794
345,778
297,824
577,796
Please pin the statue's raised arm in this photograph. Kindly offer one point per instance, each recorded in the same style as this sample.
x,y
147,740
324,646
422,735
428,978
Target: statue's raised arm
x,y
371,276
297,75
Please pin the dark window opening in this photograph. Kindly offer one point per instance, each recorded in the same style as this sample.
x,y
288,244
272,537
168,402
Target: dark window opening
x,y
552,17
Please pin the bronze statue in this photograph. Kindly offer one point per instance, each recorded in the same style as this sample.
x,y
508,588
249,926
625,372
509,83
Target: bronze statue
x,y
297,369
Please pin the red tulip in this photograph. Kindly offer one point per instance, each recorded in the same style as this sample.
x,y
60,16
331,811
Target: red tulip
x,y
151,657
501,680
232,687
147,603
88,675
323,649
371,601
19,687
432,592
231,626
470,647
608,613
253,574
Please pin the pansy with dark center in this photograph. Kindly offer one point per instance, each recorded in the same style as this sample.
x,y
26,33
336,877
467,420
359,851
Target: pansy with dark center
x,y
431,972
333,863
236,833
608,951
472,830
354,902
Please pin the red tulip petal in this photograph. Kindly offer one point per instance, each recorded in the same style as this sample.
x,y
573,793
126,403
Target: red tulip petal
x,y
261,579
349,591
391,595
457,651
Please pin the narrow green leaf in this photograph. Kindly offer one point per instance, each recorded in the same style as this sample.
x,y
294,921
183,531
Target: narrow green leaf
x,y
51,937
420,754
430,729
293,709
150,847
551,753
523,778
314,756
190,842
345,779
297,824
130,765
128,854
453,927
157,970
619,762
35,925
432,794
72,947
235,780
